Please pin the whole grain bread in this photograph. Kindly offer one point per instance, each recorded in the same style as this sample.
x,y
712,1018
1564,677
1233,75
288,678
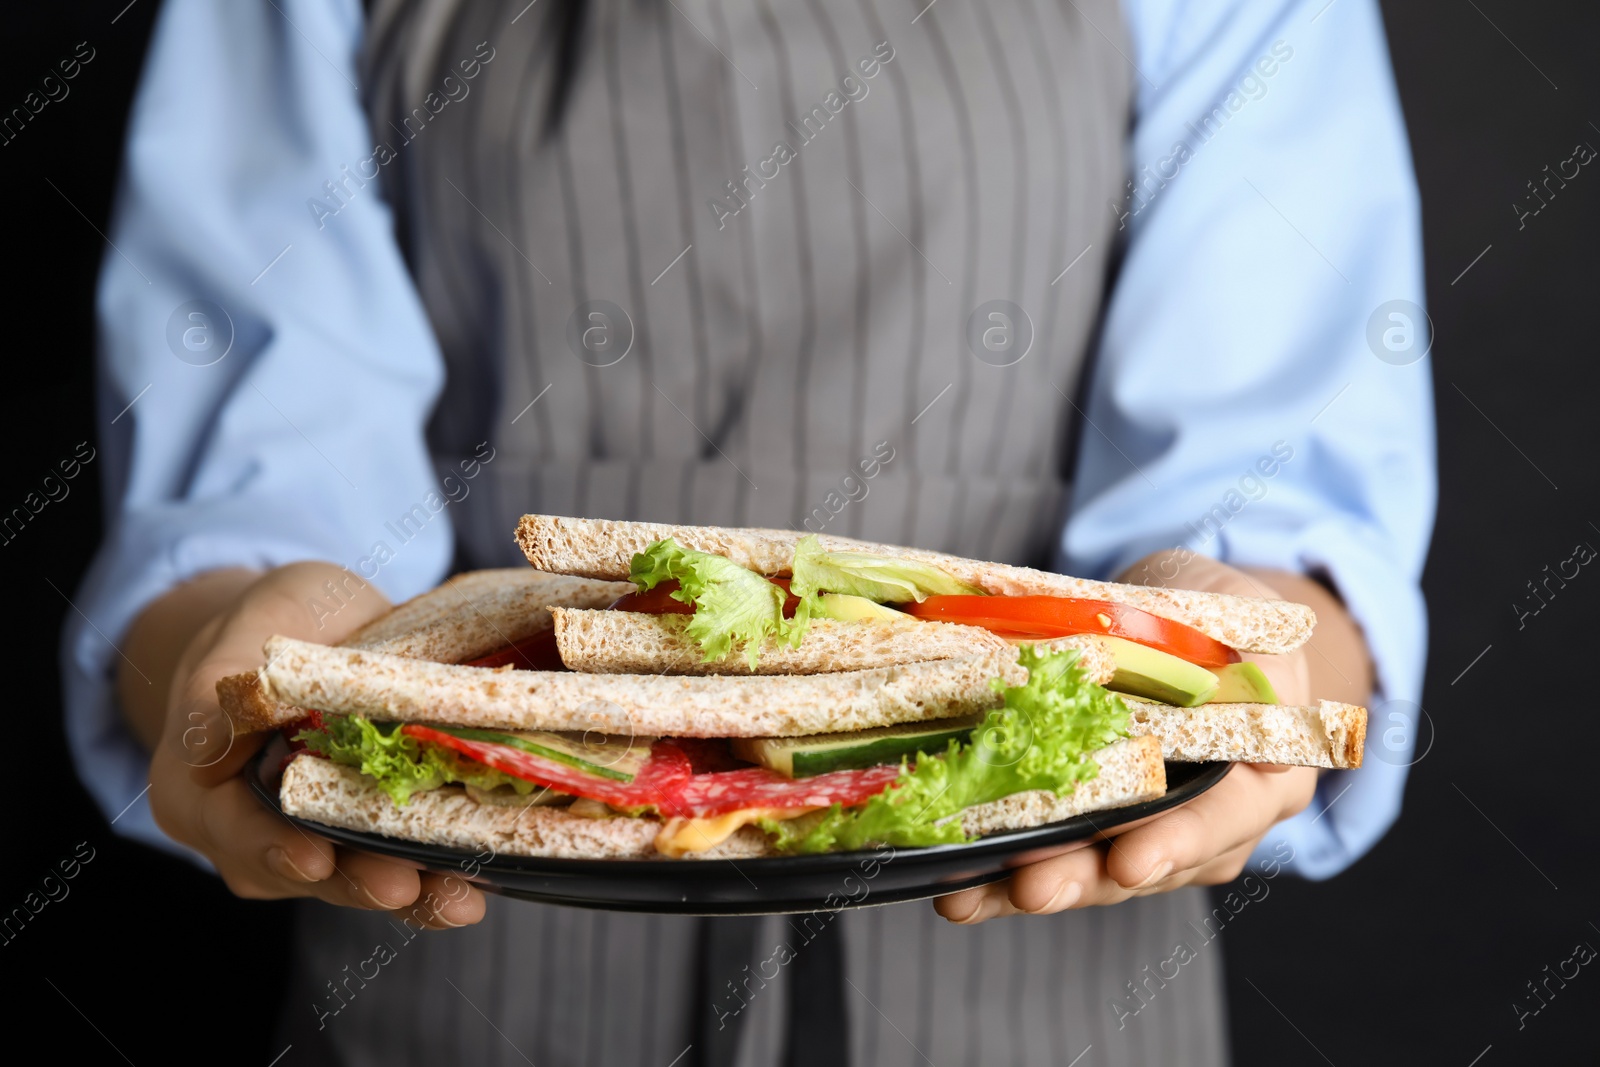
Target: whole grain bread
x,y
1328,735
392,688
326,792
480,612
604,548
628,642
1131,771
470,615
322,791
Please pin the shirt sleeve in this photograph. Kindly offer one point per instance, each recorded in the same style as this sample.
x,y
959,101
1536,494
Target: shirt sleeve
x,y
1260,393
265,365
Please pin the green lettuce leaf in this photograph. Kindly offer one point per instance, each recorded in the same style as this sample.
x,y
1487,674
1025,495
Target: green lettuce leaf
x,y
884,579
399,763
734,606
1040,739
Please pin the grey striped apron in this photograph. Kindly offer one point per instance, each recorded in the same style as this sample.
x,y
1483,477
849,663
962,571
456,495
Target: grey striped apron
x,y
790,264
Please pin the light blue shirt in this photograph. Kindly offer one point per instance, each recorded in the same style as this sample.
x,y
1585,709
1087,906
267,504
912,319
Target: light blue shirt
x,y
1274,222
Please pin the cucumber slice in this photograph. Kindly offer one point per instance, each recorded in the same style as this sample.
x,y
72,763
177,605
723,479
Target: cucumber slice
x,y
618,758
802,757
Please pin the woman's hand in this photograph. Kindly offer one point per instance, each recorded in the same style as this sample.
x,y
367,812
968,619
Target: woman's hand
x,y
215,626
1205,842
1209,840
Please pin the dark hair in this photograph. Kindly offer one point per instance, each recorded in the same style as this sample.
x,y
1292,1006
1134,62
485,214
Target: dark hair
x,y
569,20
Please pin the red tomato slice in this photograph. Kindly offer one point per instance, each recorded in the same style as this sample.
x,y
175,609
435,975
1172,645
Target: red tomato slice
x,y
659,601
757,787
536,653
1057,616
661,777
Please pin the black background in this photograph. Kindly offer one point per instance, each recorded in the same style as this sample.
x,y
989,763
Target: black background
x,y
1417,954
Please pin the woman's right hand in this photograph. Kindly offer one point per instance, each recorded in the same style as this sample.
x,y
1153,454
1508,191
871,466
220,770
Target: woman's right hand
x,y
215,626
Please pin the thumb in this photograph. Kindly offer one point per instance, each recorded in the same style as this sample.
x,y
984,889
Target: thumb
x,y
284,601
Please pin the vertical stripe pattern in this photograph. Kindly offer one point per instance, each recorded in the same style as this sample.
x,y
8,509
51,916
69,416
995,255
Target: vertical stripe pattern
x,y
754,250
794,254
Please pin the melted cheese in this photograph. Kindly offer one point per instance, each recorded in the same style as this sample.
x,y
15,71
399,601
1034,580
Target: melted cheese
x,y
678,837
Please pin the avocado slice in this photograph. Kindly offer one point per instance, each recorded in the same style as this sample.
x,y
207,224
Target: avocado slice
x,y
802,757
847,608
1146,672
1242,683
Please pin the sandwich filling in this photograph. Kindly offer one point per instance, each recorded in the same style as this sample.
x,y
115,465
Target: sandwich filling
x,y
733,611
900,786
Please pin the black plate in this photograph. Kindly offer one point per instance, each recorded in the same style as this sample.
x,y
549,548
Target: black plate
x,y
763,886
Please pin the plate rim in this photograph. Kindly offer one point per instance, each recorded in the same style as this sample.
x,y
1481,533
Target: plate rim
x,y
1204,776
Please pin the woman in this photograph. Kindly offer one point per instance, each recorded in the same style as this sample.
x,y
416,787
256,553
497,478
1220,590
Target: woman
x,y
692,262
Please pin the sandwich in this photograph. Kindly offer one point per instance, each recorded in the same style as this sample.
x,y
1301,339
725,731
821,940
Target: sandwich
x,y
649,691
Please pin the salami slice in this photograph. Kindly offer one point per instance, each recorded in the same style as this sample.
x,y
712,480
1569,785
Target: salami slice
x,y
667,781
708,754
757,787
662,775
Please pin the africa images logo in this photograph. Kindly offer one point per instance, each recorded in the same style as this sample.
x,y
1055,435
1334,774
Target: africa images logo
x,y
1399,332
600,333
200,333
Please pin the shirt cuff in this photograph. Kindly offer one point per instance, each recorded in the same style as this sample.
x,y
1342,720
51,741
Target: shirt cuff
x,y
1352,809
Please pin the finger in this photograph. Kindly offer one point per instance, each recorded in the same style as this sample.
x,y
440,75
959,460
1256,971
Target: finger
x,y
1225,868
363,880
315,601
199,732
289,601
1075,880
1237,810
202,737
354,880
972,906
447,901
1185,837
196,732
424,899
230,826
248,841
1176,849
1078,880
1119,829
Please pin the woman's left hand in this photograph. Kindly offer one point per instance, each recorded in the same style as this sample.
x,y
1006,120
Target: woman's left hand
x,y
1205,842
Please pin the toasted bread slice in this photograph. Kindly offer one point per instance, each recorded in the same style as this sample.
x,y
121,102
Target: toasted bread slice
x,y
628,642
1131,771
321,791
392,688
469,616
603,549
480,612
1328,735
